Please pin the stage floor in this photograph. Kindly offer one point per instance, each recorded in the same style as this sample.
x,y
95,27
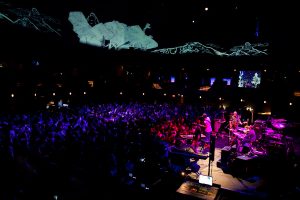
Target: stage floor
x,y
267,181
251,185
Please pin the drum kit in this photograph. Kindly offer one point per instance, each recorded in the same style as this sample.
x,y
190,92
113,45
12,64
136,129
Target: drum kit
x,y
270,131
268,134
278,124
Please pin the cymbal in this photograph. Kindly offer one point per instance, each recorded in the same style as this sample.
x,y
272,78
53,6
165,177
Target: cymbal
x,y
278,125
278,120
259,121
277,143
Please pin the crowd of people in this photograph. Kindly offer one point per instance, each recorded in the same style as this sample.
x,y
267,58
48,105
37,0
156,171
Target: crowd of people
x,y
68,149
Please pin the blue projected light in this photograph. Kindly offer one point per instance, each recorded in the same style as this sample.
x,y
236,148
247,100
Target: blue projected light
x,y
212,81
172,79
227,81
35,63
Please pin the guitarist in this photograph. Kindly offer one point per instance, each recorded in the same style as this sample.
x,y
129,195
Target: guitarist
x,y
234,121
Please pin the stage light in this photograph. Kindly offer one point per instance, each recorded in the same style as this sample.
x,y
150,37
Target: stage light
x,y
84,93
291,103
297,93
206,8
91,83
53,93
70,93
200,97
165,94
34,94
204,88
249,108
12,95
265,101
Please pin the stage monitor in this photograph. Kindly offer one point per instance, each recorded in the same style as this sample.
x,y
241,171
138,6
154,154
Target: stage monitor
x,y
206,180
249,79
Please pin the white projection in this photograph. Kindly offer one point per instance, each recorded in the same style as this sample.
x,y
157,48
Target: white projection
x,y
31,18
116,35
112,34
246,49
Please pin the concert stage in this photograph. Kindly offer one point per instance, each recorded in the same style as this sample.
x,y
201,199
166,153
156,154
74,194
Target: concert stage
x,y
245,177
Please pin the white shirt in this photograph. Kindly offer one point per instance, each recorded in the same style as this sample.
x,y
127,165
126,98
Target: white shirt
x,y
207,123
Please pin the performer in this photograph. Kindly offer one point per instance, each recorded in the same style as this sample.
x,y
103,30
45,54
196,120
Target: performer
x,y
235,121
208,128
250,136
248,140
198,126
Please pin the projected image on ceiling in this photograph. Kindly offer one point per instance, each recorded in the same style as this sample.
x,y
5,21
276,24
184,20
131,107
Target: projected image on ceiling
x,y
246,49
112,34
31,18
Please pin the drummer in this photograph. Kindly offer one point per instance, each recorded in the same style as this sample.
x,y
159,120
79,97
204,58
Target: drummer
x,y
249,138
250,135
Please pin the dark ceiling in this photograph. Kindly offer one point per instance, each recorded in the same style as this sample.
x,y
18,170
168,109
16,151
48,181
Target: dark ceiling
x,y
226,23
